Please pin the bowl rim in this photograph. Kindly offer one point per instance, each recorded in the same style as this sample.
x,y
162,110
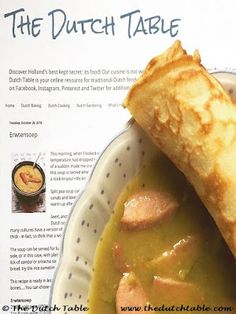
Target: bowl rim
x,y
125,128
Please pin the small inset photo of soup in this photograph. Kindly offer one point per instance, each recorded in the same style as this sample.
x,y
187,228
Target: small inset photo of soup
x,y
28,183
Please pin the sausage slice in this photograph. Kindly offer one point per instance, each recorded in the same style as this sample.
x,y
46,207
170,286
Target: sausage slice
x,y
147,208
175,292
178,261
119,259
130,296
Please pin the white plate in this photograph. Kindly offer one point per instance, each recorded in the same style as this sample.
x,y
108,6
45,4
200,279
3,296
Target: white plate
x,y
120,161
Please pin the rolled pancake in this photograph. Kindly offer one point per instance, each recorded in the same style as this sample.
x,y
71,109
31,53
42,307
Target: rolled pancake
x,y
192,119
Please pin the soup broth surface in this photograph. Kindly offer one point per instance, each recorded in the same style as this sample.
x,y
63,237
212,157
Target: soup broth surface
x,y
212,271
28,179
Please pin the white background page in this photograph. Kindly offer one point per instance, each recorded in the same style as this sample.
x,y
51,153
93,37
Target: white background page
x,y
64,90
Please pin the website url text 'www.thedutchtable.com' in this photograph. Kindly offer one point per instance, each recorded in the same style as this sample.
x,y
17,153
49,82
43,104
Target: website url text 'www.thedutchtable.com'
x,y
180,308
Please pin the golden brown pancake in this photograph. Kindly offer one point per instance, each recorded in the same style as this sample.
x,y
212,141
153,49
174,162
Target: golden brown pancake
x,y
192,119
